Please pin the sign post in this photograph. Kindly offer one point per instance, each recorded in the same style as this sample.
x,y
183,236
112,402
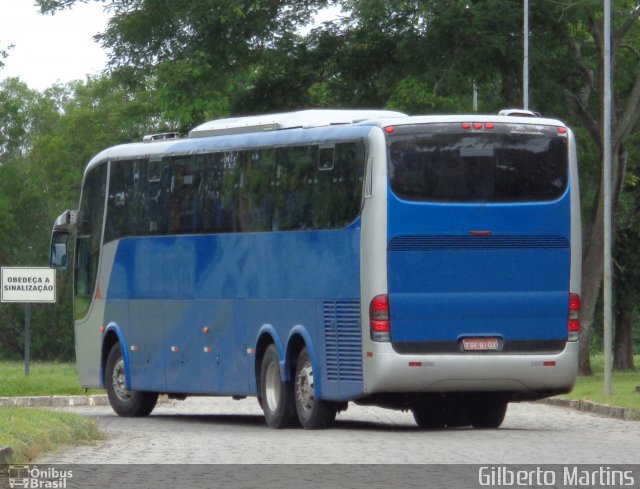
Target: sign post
x,y
28,285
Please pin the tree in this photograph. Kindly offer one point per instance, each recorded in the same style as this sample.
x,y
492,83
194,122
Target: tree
x,y
193,54
205,58
627,262
4,54
23,114
46,141
586,101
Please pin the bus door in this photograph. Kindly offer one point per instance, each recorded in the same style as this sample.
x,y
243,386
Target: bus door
x,y
478,238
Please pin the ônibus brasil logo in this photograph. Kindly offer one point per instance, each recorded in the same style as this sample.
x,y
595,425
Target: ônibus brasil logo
x,y
34,477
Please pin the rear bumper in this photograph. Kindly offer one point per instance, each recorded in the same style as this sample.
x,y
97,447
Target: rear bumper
x,y
387,371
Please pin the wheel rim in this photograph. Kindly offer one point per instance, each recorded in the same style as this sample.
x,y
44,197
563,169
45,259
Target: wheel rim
x,y
304,389
118,381
273,386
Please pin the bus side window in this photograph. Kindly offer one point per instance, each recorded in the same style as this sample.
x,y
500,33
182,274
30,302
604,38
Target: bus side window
x,y
350,162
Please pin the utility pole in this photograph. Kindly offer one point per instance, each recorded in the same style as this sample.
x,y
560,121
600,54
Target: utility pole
x,y
606,175
525,58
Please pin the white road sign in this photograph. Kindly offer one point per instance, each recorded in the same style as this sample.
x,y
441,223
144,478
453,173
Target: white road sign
x,y
32,284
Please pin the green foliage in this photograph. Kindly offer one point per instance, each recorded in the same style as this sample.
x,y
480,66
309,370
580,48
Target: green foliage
x,y
176,64
30,431
44,379
46,140
624,384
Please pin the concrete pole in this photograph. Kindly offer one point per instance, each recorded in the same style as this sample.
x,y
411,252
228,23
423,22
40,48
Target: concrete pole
x,y
606,175
525,59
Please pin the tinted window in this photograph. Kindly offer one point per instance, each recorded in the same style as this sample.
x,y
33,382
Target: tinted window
x,y
88,238
262,189
496,166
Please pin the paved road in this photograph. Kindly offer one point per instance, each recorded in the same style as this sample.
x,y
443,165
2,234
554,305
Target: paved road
x,y
223,431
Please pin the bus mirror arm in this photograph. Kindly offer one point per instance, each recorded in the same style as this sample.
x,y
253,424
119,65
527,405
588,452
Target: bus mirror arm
x,y
66,221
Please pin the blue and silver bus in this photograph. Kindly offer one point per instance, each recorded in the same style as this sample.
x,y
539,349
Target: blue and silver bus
x,y
316,258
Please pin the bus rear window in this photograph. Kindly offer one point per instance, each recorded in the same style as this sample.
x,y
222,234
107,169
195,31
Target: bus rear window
x,y
497,166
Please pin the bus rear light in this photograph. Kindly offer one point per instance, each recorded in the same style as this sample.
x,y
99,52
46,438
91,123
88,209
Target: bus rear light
x,y
574,317
379,322
562,130
390,129
477,125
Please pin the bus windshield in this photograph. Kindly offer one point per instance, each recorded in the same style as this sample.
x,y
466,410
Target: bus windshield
x,y
443,163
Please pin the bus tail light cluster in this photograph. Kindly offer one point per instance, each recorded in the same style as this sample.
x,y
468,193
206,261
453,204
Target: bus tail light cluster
x,y
379,318
477,125
574,317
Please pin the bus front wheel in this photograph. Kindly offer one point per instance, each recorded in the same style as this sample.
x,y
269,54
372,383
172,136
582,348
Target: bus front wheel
x,y
313,413
125,402
276,396
430,415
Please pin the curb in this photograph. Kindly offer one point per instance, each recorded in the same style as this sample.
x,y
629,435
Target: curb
x,y
595,408
55,401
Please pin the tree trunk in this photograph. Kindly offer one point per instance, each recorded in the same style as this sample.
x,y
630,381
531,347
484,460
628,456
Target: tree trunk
x,y
593,260
623,339
592,270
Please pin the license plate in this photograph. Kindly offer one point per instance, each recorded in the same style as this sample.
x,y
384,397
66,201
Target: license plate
x,y
480,344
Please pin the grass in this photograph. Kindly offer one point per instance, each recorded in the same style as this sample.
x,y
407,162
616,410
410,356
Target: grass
x,y
30,431
624,384
44,379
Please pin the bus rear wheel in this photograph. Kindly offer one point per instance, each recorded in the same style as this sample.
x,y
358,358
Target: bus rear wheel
x,y
313,413
276,396
125,402
487,412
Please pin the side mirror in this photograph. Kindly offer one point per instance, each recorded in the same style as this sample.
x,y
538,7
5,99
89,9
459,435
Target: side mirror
x,y
58,250
59,239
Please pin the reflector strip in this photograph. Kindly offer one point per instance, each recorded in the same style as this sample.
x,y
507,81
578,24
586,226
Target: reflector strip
x,y
208,349
134,348
415,364
175,349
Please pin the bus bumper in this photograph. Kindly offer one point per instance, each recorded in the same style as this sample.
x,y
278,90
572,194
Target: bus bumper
x,y
387,371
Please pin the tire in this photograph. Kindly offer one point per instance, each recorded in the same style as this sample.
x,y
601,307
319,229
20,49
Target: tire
x,y
276,396
487,413
313,413
430,415
126,403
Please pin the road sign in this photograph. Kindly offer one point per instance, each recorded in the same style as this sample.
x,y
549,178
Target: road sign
x,y
28,284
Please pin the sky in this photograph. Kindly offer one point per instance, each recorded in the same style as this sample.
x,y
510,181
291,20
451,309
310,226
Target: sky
x,y
59,48
50,49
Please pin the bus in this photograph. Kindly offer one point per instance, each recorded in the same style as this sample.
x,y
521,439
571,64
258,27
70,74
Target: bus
x,y
321,257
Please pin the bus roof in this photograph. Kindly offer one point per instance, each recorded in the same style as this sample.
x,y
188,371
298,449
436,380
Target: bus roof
x,y
288,120
288,128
